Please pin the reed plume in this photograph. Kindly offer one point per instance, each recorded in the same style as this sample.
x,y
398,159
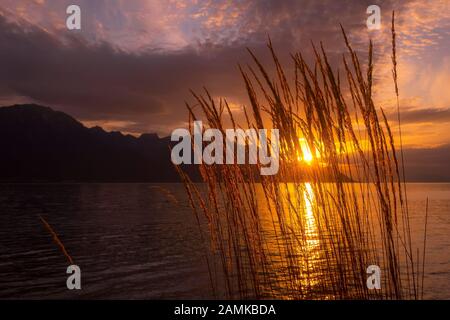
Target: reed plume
x,y
310,231
56,239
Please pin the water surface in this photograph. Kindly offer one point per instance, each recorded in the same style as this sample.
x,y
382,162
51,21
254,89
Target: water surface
x,y
141,241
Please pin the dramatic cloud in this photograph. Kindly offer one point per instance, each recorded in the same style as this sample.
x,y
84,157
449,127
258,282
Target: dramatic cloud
x,y
422,116
99,81
428,164
133,63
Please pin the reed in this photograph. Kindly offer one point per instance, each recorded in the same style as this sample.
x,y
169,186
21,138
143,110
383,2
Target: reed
x,y
310,231
56,239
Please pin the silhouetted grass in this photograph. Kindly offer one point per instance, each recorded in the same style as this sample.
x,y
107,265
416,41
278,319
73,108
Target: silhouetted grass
x,y
56,239
311,230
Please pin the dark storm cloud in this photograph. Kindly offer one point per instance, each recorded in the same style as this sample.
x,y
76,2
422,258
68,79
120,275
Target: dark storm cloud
x,y
72,73
87,75
422,115
95,80
428,164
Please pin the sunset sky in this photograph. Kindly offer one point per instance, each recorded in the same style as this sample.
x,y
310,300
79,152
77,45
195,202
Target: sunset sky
x,y
131,66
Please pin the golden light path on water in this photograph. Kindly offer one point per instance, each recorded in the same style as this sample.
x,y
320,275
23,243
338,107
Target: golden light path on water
x,y
310,221
300,249
311,247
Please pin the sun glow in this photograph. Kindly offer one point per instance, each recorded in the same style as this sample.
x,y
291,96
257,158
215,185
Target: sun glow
x,y
305,155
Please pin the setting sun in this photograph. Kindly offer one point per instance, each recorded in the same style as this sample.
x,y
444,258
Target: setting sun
x,y
306,154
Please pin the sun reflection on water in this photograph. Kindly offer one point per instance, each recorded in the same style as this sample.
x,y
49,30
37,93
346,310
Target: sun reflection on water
x,y
299,250
310,221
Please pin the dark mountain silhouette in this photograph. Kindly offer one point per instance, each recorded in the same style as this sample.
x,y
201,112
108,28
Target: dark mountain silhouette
x,y
40,144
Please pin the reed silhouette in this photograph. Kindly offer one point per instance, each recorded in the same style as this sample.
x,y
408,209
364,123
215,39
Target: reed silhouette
x,y
338,203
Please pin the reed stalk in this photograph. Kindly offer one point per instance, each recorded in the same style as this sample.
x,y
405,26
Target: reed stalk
x,y
310,231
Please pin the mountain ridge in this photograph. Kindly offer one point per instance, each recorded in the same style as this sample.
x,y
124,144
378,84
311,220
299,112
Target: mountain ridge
x,y
41,144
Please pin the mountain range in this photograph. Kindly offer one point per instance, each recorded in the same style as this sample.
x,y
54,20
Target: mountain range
x,y
40,144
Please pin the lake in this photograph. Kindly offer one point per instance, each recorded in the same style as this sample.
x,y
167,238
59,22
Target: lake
x,y
141,241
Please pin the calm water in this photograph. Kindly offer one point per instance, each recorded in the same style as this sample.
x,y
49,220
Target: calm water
x,y
140,241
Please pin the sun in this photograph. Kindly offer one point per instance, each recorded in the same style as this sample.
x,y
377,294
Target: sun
x,y
306,154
